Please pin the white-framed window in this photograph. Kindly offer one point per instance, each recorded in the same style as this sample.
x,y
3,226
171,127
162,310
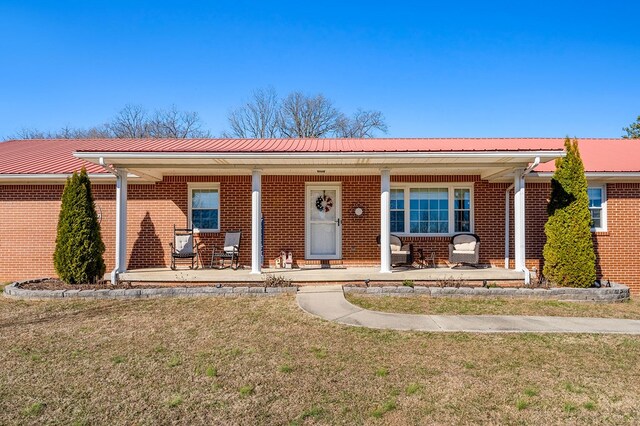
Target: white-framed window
x,y
204,207
598,207
431,209
397,210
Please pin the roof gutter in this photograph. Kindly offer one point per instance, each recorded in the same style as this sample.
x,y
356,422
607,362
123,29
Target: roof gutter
x,y
106,166
315,155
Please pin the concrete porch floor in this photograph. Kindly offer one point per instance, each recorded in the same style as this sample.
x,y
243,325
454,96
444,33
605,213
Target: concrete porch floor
x,y
307,276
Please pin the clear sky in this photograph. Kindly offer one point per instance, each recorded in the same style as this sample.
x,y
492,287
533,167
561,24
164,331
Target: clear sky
x,y
446,68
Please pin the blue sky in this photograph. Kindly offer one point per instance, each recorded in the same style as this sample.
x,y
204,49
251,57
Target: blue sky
x,y
446,69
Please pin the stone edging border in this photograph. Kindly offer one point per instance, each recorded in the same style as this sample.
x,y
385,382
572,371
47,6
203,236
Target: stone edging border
x,y
615,293
13,290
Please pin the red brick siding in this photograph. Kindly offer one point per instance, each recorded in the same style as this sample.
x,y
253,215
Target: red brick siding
x,y
618,247
29,213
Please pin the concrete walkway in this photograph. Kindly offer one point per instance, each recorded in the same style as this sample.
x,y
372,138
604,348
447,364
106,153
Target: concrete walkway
x,y
328,302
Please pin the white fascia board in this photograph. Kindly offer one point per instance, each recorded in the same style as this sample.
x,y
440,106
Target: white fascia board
x,y
95,156
25,178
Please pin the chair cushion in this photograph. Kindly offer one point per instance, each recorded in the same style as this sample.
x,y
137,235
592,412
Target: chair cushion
x,y
229,248
464,242
456,251
465,246
395,247
184,244
400,252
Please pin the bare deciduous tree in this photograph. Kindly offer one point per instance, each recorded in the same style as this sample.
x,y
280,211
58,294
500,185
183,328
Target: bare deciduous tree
x,y
132,121
363,124
257,118
304,116
66,132
300,116
173,123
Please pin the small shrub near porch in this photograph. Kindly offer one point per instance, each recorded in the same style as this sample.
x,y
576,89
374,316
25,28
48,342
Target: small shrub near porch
x,y
79,248
569,258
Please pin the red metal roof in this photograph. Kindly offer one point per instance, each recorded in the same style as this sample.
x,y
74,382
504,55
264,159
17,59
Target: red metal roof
x,y
605,155
54,156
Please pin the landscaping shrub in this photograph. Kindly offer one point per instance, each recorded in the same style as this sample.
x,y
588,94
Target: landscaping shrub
x,y
79,248
569,258
276,281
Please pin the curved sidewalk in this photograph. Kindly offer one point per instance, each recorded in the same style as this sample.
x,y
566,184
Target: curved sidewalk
x,y
328,302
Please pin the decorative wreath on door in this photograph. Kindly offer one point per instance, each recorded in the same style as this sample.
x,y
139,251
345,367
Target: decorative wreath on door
x,y
324,203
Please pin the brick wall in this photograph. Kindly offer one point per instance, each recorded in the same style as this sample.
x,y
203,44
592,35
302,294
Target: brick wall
x,y
29,213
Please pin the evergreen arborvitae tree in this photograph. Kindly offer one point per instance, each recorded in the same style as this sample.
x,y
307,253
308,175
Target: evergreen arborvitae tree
x,y
569,258
79,247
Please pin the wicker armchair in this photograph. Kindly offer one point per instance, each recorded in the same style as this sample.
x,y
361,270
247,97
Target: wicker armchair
x,y
401,254
465,248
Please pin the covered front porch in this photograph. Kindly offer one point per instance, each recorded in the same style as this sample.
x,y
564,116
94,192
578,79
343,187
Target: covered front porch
x,y
308,276
353,191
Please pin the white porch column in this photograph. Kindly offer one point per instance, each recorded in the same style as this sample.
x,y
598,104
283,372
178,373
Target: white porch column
x,y
519,220
256,229
121,225
385,220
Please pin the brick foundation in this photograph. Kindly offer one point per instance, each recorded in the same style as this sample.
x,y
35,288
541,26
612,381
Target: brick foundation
x,y
29,214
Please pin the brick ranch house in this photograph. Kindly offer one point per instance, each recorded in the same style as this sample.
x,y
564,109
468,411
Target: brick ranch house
x,y
424,190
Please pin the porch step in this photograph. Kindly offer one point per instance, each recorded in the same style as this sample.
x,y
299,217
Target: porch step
x,y
308,267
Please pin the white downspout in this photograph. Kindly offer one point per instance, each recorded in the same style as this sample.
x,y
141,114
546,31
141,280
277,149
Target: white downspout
x,y
506,225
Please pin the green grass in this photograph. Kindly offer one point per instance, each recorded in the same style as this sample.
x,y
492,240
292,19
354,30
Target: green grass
x,y
246,390
175,401
235,354
589,405
383,409
285,368
174,361
412,388
382,372
486,306
34,409
319,353
118,359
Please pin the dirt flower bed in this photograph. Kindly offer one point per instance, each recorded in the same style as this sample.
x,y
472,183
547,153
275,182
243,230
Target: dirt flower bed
x,y
56,284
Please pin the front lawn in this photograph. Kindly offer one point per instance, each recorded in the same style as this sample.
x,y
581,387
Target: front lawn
x,y
263,361
499,306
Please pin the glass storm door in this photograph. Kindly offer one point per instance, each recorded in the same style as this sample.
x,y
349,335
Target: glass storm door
x,y
324,222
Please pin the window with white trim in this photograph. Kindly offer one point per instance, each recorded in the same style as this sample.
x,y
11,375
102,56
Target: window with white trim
x,y
462,209
597,207
397,210
431,209
204,207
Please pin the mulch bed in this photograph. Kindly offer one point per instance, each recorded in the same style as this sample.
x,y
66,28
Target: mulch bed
x,y
56,284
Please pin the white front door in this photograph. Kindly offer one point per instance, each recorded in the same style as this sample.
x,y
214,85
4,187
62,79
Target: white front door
x,y
323,222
